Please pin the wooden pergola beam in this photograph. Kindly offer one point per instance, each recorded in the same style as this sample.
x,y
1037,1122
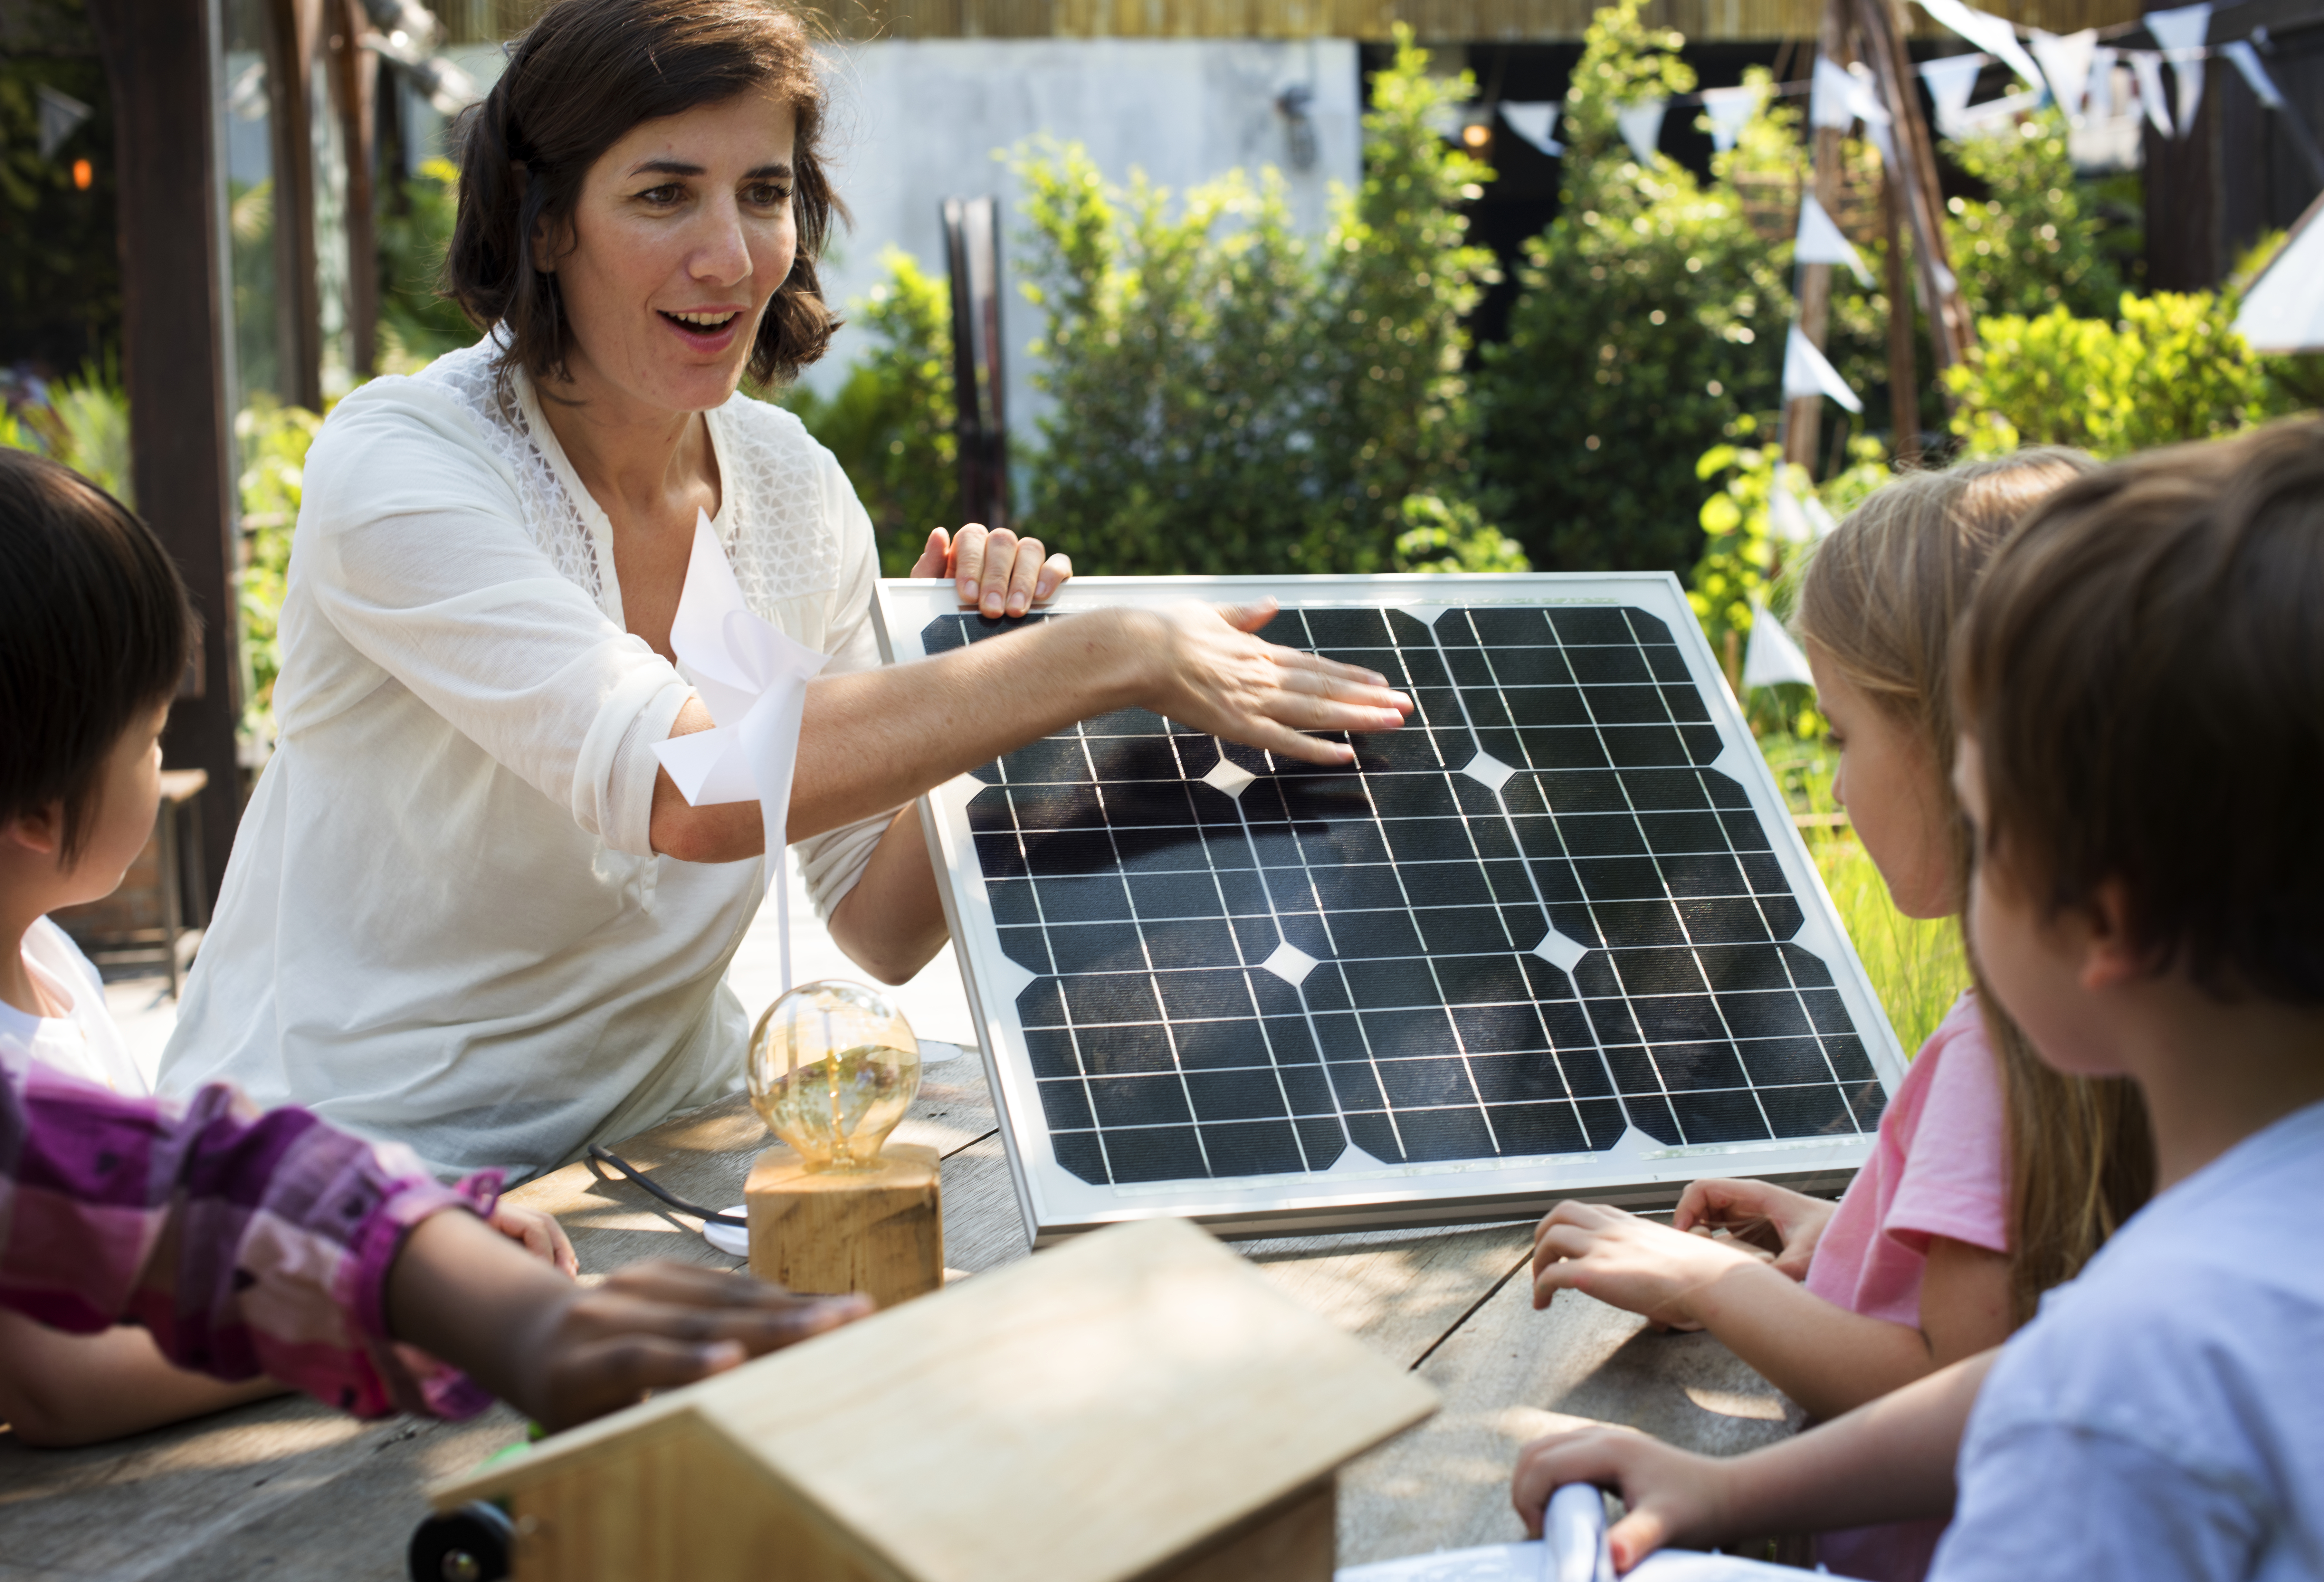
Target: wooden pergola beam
x,y
174,343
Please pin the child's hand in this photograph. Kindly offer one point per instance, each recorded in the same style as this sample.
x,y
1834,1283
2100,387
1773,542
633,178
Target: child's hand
x,y
1674,1497
1786,1223
538,1233
1627,1262
659,1325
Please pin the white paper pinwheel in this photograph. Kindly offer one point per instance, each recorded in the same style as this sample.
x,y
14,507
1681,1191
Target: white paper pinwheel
x,y
754,681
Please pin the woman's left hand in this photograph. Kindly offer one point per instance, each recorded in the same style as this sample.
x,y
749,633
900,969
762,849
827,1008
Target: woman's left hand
x,y
998,572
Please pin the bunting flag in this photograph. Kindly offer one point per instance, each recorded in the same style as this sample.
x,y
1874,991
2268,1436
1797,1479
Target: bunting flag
x,y
1820,240
1832,101
2066,62
1642,127
2283,311
1989,32
1785,519
2247,59
1864,100
2148,68
1951,80
2101,106
1822,520
1773,657
2180,30
1807,374
1535,123
60,117
1727,109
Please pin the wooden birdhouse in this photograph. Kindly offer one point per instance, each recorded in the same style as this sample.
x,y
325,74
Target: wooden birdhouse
x,y
1138,1403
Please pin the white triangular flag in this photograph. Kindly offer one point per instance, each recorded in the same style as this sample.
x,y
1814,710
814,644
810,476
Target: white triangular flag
x,y
60,117
1821,242
1806,374
1820,519
2066,62
2180,30
2147,66
2182,27
1728,109
2283,311
1642,127
2101,106
754,681
1864,100
1534,122
1772,656
2247,59
1986,32
1832,100
1785,518
1952,80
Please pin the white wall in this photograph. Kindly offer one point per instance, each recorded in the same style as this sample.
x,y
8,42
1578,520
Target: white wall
x,y
920,122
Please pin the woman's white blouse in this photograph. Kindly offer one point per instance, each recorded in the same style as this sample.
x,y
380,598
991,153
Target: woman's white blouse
x,y
443,922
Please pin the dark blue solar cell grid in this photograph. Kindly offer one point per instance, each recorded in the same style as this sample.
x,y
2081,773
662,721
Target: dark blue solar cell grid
x,y
1531,918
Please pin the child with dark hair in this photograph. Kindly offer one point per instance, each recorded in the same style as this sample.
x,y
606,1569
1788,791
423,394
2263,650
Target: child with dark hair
x,y
252,1251
2139,693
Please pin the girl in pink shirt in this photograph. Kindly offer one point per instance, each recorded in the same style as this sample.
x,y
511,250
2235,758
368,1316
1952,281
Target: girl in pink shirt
x,y
1992,1178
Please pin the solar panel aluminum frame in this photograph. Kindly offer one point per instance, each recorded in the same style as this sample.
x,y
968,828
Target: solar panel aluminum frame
x,y
1638,1172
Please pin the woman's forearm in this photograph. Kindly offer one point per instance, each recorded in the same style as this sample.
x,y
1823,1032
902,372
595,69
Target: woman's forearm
x,y
892,922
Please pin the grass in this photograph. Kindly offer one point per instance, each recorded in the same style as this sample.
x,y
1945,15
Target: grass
x,y
1916,967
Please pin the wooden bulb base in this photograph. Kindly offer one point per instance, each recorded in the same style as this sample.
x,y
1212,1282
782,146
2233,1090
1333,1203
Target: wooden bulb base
x,y
876,1231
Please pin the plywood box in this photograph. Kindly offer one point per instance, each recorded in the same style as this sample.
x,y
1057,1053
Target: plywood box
x,y
1139,1404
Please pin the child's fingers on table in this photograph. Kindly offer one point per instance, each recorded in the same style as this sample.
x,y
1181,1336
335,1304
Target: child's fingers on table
x,y
593,1377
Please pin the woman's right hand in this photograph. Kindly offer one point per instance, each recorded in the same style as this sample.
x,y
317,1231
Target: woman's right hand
x,y
1205,669
1776,1218
1674,1496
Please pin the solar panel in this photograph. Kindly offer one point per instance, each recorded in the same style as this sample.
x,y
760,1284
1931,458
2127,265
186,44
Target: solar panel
x,y
1557,937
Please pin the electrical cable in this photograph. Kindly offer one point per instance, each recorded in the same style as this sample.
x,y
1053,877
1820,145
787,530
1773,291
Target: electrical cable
x,y
708,1216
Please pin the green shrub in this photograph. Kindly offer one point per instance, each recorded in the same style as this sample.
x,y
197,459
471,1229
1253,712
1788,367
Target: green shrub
x,y
891,425
273,440
84,426
417,325
1233,397
2172,368
2029,246
1652,316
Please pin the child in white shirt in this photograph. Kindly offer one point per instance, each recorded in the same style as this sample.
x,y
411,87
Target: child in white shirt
x,y
2139,683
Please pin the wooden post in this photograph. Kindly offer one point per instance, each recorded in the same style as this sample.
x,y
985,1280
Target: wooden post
x,y
174,345
291,29
354,84
1803,416
1951,334
1903,395
827,1231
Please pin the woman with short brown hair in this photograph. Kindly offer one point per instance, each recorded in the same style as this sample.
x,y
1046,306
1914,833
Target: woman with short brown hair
x,y
466,910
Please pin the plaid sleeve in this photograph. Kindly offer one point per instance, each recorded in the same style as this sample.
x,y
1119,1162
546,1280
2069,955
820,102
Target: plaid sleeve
x,y
247,1242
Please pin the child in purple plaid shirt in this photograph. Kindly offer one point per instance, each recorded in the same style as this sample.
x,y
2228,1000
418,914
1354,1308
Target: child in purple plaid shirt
x,y
247,1246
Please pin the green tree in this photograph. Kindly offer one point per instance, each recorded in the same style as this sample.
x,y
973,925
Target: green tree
x,y
1230,396
417,323
2031,244
890,424
1652,314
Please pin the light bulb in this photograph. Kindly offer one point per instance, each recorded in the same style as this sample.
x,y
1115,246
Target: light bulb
x,y
834,1066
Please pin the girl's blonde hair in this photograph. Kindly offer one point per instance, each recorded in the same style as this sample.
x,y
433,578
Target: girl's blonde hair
x,y
1879,600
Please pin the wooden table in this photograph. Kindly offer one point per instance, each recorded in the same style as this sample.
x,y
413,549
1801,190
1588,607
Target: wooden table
x,y
288,1488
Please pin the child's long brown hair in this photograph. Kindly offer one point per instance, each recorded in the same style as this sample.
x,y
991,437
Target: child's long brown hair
x,y
1879,599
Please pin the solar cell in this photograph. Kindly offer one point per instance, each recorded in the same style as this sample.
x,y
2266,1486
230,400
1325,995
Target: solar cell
x,y
1556,937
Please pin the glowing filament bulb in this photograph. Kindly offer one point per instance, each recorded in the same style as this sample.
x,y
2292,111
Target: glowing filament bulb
x,y
834,1066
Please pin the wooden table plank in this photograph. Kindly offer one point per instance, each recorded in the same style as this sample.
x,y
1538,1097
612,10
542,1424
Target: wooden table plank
x,y
1509,1374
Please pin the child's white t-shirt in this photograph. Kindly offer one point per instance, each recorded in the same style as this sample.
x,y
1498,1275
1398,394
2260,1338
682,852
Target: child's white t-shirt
x,y
2164,1415
84,1041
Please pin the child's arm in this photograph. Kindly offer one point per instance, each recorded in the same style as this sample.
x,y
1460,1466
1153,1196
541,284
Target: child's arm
x,y
1887,1461
57,1389
1825,1357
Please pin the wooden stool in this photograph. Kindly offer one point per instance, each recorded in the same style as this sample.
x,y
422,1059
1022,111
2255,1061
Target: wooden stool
x,y
827,1231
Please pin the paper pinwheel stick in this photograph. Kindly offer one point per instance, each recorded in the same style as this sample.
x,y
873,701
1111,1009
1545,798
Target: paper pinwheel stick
x,y
754,681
